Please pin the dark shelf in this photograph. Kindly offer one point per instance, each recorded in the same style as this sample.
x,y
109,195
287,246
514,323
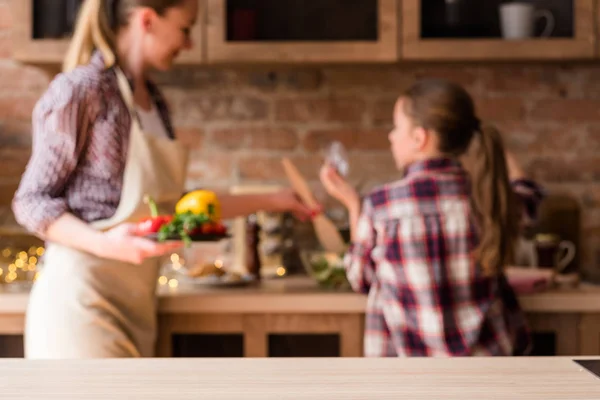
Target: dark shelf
x,y
476,19
302,20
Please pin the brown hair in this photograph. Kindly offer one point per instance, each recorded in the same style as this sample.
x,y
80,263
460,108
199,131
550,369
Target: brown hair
x,y
448,110
98,22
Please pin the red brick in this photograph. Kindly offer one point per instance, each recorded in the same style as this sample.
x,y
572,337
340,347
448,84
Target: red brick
x,y
7,192
5,44
352,139
256,138
193,138
592,140
210,166
303,80
567,110
334,109
374,168
382,111
370,79
19,107
5,16
269,168
561,168
15,134
520,79
466,77
190,109
544,138
14,161
590,198
500,108
18,78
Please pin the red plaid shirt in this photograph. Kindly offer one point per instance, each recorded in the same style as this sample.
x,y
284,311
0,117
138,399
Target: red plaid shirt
x,y
413,255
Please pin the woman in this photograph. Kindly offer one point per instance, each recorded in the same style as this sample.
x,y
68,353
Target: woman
x,y
102,139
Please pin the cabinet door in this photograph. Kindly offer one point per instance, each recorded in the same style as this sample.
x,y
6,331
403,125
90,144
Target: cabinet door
x,y
275,31
424,36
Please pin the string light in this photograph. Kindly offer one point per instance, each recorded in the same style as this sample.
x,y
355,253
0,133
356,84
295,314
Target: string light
x,y
19,265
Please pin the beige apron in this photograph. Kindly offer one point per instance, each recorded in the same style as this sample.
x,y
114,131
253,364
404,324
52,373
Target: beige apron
x,y
83,306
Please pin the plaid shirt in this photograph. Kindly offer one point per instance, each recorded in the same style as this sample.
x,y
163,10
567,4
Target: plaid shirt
x,y
413,255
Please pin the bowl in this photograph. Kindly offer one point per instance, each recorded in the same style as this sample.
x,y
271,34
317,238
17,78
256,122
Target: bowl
x,y
326,268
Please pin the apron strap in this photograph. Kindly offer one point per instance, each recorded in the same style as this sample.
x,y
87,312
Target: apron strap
x,y
127,95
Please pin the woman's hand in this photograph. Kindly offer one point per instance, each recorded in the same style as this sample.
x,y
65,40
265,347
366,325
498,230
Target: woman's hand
x,y
288,200
339,188
122,243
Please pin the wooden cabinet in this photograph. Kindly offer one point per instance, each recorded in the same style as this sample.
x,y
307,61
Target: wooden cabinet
x,y
579,43
25,47
41,50
242,34
337,31
261,335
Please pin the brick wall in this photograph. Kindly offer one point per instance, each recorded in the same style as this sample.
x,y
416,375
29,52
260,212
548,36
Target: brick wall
x,y
240,121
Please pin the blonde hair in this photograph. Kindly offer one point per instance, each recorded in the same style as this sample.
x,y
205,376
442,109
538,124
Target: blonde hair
x,y
448,109
96,28
92,32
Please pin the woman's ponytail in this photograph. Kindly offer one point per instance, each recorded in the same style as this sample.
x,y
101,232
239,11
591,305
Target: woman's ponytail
x,y
92,32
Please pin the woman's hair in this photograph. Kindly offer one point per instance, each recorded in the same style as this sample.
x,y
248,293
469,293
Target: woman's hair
x,y
97,24
448,110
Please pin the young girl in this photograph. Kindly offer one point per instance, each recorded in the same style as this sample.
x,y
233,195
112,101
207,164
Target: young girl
x,y
430,248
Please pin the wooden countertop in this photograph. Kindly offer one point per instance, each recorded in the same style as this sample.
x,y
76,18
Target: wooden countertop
x,y
304,378
302,295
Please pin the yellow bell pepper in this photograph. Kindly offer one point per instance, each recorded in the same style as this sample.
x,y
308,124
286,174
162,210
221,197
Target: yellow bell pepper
x,y
200,202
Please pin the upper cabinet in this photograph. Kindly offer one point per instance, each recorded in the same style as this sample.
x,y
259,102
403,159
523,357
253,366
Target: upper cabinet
x,y
498,30
277,31
348,31
42,29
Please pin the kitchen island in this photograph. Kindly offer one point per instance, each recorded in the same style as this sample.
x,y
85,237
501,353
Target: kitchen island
x,y
516,378
263,320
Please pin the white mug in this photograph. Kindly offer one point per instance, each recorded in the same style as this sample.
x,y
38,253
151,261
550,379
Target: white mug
x,y
558,253
517,20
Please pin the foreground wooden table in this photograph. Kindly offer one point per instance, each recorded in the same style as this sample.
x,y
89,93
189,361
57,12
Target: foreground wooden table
x,y
307,378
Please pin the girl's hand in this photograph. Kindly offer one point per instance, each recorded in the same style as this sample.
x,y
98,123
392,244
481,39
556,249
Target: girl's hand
x,y
339,188
122,243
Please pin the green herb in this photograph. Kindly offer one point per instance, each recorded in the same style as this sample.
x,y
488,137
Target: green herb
x,y
181,226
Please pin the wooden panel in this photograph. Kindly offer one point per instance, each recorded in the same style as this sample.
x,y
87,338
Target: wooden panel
x,y
12,324
597,27
415,48
43,51
168,325
589,334
297,323
255,336
565,328
349,327
52,51
220,50
352,335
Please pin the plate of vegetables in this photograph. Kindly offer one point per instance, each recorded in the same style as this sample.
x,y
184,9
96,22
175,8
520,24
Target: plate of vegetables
x,y
197,218
327,268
